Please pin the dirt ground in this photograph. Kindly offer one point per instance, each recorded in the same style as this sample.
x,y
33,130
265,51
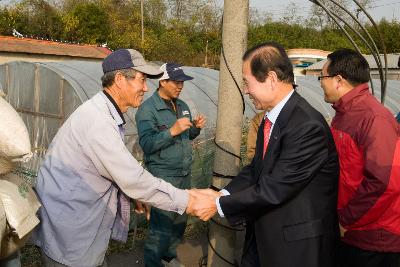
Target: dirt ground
x,y
190,253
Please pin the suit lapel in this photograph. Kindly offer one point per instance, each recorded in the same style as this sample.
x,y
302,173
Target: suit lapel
x,y
279,125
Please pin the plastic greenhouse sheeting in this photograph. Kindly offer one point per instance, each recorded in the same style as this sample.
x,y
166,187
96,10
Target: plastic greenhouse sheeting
x,y
46,93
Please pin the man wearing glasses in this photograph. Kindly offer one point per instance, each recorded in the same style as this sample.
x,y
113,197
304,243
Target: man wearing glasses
x,y
367,140
287,196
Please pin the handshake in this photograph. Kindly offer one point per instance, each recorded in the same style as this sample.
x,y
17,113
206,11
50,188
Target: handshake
x,y
202,203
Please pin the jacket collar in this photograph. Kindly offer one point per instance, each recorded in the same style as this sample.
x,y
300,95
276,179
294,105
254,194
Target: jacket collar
x,y
159,102
345,102
114,109
273,114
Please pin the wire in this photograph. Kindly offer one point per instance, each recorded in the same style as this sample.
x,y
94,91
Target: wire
x,y
233,77
216,252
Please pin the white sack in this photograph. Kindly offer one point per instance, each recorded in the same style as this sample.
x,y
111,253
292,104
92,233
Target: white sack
x,y
14,137
19,204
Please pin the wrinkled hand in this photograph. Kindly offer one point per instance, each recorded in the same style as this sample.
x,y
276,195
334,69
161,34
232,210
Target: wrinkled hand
x,y
199,121
180,126
141,208
342,230
202,203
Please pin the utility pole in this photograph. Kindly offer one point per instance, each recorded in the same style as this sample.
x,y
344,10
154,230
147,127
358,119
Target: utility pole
x,y
229,122
142,21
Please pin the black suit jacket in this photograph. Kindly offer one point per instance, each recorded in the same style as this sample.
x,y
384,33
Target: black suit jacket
x,y
288,199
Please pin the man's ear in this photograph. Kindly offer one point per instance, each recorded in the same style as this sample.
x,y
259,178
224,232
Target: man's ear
x,y
273,77
119,79
341,83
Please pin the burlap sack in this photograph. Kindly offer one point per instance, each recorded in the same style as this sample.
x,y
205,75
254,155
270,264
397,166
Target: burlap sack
x,y
14,137
6,165
19,204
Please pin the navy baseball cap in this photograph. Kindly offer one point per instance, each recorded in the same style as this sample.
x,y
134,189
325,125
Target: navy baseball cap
x,y
173,71
130,58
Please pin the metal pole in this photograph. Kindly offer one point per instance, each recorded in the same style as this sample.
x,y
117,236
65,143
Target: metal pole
x,y
383,47
221,250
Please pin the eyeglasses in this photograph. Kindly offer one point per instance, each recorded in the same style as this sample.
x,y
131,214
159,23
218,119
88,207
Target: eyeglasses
x,y
325,76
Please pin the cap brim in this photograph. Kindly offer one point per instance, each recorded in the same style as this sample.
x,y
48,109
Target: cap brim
x,y
151,70
181,78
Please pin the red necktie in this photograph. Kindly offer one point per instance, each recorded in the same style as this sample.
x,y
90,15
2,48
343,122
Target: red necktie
x,y
267,130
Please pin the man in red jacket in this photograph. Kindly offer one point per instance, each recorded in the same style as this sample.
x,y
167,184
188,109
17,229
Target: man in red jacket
x,y
367,140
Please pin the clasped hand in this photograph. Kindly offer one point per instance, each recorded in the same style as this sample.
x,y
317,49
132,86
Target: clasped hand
x,y
202,203
199,121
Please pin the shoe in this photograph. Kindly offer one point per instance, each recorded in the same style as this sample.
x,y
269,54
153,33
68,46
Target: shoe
x,y
172,263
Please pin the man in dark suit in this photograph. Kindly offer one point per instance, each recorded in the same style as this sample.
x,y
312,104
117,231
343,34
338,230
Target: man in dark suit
x,y
288,194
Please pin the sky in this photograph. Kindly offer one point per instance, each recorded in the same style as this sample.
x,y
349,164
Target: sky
x,y
379,8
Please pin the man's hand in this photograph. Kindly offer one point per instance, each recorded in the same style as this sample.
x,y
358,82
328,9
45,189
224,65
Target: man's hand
x,y
180,126
142,208
202,203
199,121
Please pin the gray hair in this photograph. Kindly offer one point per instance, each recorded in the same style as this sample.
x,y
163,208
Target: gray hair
x,y
108,78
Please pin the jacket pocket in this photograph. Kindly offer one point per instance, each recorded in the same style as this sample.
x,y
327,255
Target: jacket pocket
x,y
303,230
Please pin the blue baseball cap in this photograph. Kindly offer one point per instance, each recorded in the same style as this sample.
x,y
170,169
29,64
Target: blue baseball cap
x,y
130,58
173,71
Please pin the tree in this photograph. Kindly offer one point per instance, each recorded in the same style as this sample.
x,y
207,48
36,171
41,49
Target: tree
x,y
290,14
258,18
86,23
172,46
32,17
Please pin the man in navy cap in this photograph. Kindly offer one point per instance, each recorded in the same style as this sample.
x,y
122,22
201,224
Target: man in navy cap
x,y
88,175
166,127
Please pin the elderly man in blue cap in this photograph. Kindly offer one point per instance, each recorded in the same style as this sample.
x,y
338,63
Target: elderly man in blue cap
x,y
166,127
88,175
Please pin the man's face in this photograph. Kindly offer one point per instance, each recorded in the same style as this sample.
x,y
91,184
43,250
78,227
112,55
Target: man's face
x,y
171,89
261,93
329,85
134,89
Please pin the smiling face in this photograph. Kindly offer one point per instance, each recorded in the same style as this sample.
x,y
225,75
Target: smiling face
x,y
262,94
133,89
170,89
329,85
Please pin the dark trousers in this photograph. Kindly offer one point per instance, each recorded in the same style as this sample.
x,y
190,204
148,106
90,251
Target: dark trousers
x,y
355,257
166,230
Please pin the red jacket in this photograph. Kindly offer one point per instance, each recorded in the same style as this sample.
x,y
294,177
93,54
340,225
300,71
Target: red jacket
x,y
367,140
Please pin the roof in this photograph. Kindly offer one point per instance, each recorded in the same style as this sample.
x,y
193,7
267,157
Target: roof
x,y
45,47
310,88
307,52
392,62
